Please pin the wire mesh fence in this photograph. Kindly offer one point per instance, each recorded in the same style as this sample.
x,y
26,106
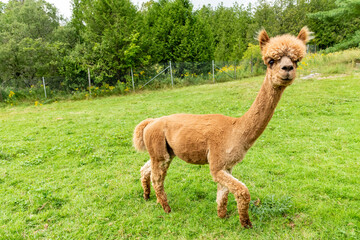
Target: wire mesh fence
x,y
151,77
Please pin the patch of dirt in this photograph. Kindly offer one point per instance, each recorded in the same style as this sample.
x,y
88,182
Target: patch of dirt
x,y
334,76
313,75
318,76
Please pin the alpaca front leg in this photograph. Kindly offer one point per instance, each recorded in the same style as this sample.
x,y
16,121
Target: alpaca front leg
x,y
241,193
158,173
145,179
222,200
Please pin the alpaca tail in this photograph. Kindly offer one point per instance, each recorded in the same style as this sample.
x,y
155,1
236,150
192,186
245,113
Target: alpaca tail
x,y
138,138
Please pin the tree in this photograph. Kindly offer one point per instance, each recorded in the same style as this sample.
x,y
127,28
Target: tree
x,y
339,25
229,29
109,38
174,32
26,51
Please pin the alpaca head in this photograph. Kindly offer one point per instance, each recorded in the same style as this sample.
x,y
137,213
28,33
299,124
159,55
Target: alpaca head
x,y
281,54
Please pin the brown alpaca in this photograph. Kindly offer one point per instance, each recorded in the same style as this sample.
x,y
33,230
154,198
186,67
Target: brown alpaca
x,y
218,140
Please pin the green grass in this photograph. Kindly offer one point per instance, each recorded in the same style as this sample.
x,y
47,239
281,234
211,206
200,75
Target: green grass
x,y
68,169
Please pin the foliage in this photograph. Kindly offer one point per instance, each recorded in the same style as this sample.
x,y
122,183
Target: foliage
x,y
338,25
353,41
253,55
172,32
27,47
184,74
111,37
330,63
229,27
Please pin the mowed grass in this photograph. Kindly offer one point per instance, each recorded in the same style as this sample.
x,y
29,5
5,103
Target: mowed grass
x,y
68,170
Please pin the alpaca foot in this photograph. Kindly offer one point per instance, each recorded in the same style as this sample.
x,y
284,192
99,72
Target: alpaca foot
x,y
246,223
222,213
146,196
167,209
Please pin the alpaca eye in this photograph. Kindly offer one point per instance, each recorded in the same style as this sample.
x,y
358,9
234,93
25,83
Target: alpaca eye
x,y
271,62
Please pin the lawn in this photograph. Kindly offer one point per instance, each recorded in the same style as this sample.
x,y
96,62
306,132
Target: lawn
x,y
68,169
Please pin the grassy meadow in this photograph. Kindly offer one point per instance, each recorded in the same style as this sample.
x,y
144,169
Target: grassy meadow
x,y
68,169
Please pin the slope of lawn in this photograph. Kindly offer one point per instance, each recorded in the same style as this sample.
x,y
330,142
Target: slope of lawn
x,y
68,169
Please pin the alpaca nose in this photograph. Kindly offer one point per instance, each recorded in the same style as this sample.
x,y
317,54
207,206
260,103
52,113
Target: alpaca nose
x,y
288,68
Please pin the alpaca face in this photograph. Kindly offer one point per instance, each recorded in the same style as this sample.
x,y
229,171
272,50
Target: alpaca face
x,y
281,55
282,71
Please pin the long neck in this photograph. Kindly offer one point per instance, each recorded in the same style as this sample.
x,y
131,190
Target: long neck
x,y
255,120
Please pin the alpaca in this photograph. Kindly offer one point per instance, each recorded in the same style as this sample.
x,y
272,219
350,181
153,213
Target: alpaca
x,y
219,140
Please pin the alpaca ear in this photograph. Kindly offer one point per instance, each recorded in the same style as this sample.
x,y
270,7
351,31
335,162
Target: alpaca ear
x,y
263,38
305,35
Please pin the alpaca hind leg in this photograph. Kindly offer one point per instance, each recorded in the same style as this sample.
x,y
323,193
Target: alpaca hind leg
x,y
145,179
241,193
222,200
159,168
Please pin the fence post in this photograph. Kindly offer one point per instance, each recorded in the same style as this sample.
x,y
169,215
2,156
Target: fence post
x,y
251,64
44,86
1,96
235,70
89,81
132,79
213,70
172,81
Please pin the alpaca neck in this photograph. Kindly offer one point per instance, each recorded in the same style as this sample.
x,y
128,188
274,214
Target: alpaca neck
x,y
255,120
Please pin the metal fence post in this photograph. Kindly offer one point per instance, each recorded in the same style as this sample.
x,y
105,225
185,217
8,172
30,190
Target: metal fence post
x,y
251,64
172,81
44,86
132,79
213,70
235,70
89,81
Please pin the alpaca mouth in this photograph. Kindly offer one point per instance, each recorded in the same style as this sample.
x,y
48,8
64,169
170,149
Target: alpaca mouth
x,y
287,79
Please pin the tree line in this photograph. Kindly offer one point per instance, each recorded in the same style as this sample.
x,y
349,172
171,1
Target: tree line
x,y
111,36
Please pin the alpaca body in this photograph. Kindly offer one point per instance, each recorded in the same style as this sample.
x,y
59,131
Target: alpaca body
x,y
219,140
193,137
